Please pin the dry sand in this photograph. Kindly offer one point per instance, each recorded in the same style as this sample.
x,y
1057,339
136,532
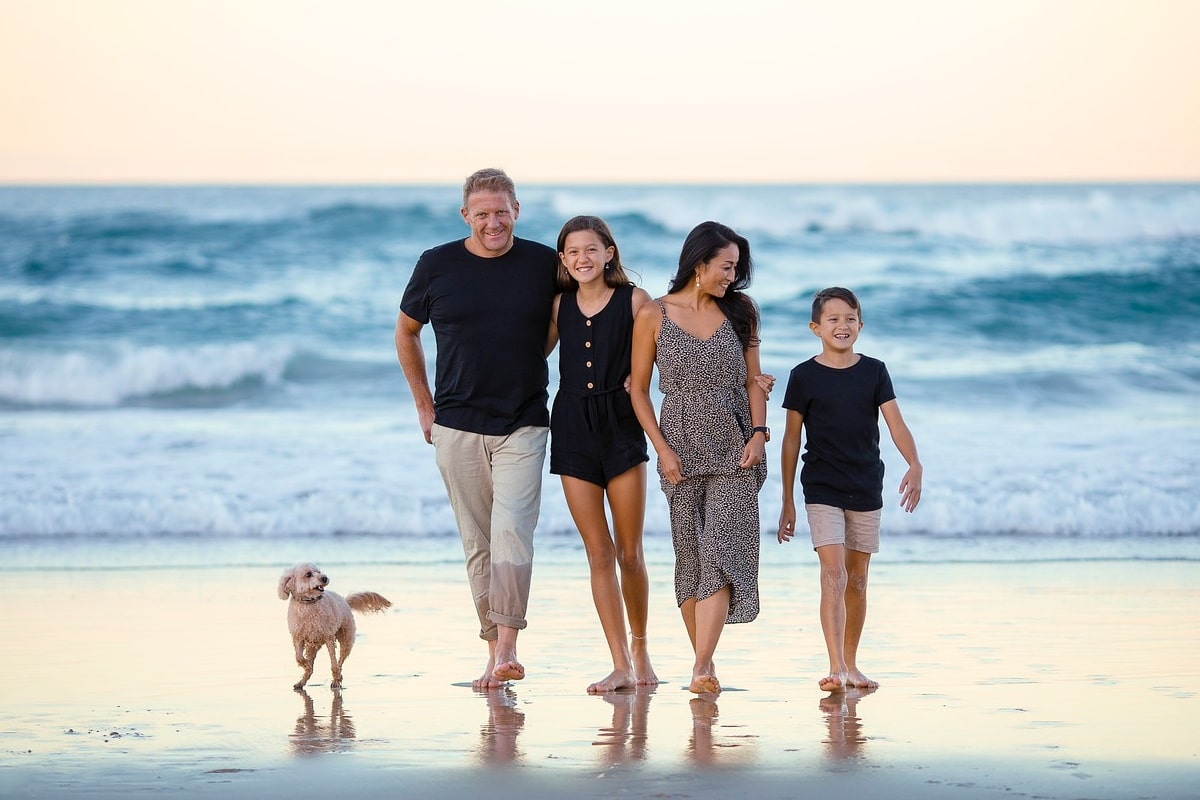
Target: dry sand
x,y
1048,680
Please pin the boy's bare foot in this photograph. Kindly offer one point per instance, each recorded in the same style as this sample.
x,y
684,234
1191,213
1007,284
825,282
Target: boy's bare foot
x,y
833,682
704,684
859,681
617,679
641,663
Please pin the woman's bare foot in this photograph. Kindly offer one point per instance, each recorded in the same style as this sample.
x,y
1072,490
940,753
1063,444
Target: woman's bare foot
x,y
859,681
617,679
641,662
833,682
704,684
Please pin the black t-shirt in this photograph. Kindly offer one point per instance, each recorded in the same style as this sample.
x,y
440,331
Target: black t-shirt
x,y
490,318
842,467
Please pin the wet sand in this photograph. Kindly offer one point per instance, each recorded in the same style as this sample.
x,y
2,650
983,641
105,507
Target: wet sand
x,y
1045,680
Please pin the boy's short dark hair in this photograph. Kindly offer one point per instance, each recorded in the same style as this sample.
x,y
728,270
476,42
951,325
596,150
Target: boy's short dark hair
x,y
834,292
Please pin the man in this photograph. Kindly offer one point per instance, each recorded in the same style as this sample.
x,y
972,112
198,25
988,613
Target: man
x,y
488,298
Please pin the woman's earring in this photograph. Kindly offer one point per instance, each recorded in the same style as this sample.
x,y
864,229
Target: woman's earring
x,y
608,265
697,281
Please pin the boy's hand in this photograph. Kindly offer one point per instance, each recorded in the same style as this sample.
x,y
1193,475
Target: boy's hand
x,y
910,488
787,524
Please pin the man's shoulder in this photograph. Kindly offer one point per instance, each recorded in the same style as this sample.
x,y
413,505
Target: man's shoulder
x,y
452,248
532,248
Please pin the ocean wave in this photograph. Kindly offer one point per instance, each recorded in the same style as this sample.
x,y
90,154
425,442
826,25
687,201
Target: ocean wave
x,y
129,372
1035,214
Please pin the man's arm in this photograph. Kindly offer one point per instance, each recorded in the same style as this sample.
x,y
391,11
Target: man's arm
x,y
412,361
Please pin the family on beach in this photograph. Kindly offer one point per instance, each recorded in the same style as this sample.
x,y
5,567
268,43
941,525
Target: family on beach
x,y
499,305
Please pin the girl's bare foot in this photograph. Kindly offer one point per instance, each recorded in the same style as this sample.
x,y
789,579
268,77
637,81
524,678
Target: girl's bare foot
x,y
704,684
859,681
641,662
833,682
617,679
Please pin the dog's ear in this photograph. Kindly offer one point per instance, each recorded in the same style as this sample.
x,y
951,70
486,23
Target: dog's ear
x,y
286,583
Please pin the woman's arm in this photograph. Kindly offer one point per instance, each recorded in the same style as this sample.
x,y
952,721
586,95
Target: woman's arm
x,y
645,348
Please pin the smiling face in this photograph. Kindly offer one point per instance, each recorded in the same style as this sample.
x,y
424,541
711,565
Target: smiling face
x,y
838,327
491,216
584,256
716,274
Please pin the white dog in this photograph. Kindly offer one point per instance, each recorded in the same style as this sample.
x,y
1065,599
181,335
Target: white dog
x,y
317,618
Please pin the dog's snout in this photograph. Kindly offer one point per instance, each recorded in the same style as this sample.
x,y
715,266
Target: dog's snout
x,y
324,580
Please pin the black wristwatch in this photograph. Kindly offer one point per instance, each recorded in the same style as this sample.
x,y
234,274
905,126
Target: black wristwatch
x,y
764,430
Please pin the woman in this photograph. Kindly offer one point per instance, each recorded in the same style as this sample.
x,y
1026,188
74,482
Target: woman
x,y
711,434
596,442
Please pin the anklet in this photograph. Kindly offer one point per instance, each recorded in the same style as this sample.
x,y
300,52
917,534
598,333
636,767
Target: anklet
x,y
636,637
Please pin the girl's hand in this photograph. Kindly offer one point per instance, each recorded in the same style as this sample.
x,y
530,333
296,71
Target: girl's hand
x,y
766,383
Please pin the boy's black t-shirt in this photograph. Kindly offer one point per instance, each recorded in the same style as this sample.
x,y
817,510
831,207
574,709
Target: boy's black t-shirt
x,y
490,319
842,467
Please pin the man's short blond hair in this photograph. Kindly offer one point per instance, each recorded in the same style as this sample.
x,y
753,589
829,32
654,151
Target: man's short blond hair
x,y
489,180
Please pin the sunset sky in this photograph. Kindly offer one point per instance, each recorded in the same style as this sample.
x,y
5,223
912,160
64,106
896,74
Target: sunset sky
x,y
374,91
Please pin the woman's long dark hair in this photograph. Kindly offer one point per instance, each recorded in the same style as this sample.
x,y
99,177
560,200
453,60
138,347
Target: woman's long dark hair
x,y
700,246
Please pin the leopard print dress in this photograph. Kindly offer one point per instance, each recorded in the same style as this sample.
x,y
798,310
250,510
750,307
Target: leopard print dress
x,y
705,418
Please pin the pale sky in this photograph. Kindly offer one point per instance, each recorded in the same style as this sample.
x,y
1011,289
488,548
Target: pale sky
x,y
404,91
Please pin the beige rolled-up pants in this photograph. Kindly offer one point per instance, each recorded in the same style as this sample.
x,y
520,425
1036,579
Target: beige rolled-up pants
x,y
495,488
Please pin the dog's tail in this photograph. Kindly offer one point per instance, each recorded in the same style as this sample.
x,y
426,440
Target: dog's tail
x,y
368,602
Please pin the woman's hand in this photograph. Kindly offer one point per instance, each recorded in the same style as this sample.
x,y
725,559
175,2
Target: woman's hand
x,y
754,451
671,466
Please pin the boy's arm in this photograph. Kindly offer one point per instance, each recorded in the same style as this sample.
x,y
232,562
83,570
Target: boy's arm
x,y
789,456
910,484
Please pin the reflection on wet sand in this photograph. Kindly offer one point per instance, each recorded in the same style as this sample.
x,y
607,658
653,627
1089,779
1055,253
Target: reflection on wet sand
x,y
498,736
313,734
845,726
625,739
717,745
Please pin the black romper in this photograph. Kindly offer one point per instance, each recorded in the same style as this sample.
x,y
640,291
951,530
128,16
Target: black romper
x,y
594,434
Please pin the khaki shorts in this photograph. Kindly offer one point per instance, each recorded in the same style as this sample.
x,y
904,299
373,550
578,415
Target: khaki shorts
x,y
854,530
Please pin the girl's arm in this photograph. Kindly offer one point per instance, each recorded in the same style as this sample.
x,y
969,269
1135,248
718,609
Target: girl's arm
x,y
645,348
910,484
789,457
552,334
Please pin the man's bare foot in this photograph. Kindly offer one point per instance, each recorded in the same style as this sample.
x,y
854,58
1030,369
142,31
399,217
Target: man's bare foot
x,y
833,682
509,671
487,680
704,684
641,663
859,681
617,679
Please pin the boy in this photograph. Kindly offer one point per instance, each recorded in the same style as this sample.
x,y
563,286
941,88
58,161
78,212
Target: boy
x,y
838,396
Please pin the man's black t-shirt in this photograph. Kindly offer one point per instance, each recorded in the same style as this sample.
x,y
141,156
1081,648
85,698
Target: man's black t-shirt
x,y
490,318
842,467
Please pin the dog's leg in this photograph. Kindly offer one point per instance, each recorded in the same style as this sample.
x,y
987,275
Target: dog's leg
x,y
335,666
306,660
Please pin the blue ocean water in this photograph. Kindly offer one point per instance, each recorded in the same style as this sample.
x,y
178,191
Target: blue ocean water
x,y
188,371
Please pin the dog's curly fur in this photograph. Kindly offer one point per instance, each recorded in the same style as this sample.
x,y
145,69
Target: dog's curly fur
x,y
320,618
